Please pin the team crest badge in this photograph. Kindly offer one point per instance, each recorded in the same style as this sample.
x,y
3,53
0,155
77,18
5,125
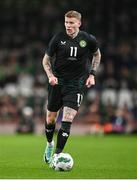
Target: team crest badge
x,y
82,43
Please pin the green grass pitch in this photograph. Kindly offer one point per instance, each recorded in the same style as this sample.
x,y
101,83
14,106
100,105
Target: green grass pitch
x,y
95,157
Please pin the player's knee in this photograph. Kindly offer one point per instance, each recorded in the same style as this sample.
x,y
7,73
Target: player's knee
x,y
65,126
51,117
68,118
68,114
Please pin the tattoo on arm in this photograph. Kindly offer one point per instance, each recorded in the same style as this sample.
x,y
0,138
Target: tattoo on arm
x,y
47,66
69,114
96,60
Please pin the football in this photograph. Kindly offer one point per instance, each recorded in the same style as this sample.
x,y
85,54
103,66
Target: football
x,y
62,162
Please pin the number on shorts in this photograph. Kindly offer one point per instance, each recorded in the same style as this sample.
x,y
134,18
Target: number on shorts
x,y
79,99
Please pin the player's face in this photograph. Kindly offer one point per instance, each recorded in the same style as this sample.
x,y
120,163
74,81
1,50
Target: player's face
x,y
72,25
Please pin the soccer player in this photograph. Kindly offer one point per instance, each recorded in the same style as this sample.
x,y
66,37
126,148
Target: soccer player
x,y
70,63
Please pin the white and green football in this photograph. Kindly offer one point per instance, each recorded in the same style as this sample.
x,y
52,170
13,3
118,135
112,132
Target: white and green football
x,y
62,162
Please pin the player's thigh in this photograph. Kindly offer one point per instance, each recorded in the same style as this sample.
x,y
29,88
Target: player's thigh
x,y
73,99
54,98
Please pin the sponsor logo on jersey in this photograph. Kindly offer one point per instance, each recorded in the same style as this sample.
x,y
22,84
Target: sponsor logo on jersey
x,y
82,43
63,42
72,59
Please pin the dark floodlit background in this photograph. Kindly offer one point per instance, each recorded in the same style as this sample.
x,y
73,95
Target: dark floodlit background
x,y
25,30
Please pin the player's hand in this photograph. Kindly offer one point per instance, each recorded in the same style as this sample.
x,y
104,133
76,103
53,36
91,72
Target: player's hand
x,y
90,81
53,80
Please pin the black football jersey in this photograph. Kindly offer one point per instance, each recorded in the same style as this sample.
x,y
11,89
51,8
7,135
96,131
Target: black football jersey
x,y
71,58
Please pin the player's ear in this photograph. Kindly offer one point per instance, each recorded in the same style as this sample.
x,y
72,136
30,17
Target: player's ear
x,y
79,23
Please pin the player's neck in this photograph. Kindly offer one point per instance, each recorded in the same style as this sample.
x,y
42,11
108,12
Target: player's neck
x,y
74,34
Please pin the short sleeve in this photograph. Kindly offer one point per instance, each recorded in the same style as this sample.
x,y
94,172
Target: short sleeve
x,y
51,50
93,44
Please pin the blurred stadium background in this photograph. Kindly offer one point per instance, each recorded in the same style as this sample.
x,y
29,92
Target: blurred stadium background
x,y
26,28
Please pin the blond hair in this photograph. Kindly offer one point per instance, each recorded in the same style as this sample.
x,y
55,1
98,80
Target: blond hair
x,y
73,14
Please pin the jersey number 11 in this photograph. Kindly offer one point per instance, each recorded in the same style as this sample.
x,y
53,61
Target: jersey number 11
x,y
73,51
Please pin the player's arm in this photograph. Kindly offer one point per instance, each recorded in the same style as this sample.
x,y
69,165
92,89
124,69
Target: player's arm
x,y
48,69
95,63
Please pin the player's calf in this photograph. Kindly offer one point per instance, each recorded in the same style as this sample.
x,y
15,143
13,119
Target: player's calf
x,y
62,136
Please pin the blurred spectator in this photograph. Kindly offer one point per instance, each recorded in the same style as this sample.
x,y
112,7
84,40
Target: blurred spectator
x,y
125,97
26,122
